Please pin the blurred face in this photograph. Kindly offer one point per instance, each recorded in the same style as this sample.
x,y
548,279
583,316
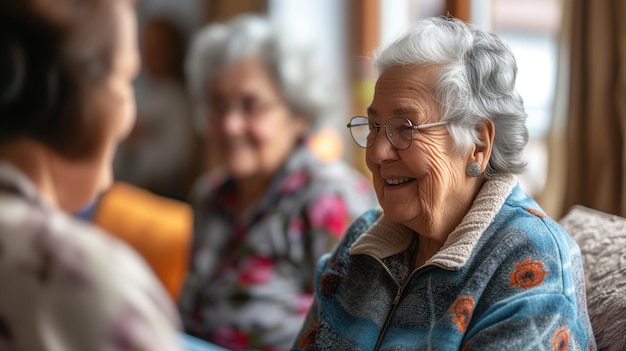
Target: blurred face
x,y
250,126
111,102
421,186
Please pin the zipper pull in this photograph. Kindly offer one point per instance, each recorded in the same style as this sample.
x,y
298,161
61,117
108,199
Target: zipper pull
x,y
397,298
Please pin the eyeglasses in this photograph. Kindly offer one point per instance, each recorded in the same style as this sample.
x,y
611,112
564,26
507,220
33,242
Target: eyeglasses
x,y
399,131
248,105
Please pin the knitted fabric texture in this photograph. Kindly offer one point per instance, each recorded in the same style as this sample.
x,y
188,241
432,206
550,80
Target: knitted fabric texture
x,y
507,278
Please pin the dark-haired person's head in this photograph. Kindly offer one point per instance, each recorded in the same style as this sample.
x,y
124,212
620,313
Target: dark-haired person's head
x,y
66,72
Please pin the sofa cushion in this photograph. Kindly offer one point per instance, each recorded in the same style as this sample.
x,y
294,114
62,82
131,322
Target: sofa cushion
x,y
602,241
158,228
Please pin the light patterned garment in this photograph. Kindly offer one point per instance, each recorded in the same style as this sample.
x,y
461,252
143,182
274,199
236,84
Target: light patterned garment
x,y
251,283
65,285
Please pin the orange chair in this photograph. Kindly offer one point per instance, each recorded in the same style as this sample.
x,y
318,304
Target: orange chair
x,y
157,227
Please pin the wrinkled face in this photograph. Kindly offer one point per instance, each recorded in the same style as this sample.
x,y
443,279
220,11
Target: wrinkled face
x,y
112,105
418,186
250,126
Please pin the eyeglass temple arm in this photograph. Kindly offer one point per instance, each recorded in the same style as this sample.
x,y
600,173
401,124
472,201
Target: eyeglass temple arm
x,y
428,125
349,125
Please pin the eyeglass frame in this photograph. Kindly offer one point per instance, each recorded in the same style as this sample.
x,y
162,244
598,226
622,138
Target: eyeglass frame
x,y
378,127
223,108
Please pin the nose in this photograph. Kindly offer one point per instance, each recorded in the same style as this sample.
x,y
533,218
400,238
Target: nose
x,y
232,122
382,150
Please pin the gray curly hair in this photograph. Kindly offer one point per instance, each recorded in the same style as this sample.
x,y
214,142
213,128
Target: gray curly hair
x,y
294,66
476,83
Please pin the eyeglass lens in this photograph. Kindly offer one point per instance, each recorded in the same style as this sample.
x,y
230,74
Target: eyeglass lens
x,y
364,131
248,105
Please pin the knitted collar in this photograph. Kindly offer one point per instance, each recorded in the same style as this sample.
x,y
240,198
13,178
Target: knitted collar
x,y
385,238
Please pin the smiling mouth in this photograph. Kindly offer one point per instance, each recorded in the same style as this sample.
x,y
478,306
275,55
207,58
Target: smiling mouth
x,y
398,181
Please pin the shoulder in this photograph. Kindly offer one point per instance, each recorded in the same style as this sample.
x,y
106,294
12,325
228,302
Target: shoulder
x,y
357,228
207,184
534,271
67,267
337,261
530,249
310,180
341,178
522,214
100,263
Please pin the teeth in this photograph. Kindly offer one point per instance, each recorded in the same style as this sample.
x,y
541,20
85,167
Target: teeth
x,y
398,181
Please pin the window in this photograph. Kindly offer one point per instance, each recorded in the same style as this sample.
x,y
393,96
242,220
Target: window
x,y
531,27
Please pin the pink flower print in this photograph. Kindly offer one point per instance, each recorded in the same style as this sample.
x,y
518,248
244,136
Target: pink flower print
x,y
296,225
329,212
363,186
294,182
303,304
229,201
256,270
231,338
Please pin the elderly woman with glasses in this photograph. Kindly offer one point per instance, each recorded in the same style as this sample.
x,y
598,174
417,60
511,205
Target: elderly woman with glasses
x,y
265,217
459,258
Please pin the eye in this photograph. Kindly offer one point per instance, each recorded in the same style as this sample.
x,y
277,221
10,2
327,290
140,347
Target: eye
x,y
251,105
218,106
405,128
400,127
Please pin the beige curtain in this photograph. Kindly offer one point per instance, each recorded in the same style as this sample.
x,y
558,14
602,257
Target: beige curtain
x,y
587,149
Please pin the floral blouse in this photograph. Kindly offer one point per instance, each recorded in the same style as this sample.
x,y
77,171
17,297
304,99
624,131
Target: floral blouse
x,y
65,285
251,282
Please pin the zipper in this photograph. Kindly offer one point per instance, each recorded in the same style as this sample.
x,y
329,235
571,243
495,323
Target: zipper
x,y
383,331
396,299
399,293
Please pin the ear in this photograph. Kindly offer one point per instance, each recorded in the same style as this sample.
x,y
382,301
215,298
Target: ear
x,y
482,153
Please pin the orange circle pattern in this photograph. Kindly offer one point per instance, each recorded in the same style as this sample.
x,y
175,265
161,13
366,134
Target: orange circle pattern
x,y
560,340
528,274
462,310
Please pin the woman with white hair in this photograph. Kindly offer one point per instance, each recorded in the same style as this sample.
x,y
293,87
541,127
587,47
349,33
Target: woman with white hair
x,y
272,209
459,258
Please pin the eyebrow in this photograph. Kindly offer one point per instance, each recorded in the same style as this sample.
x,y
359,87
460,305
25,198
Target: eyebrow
x,y
397,112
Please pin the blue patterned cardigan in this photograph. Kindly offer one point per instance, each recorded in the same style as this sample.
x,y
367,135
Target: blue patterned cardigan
x,y
507,278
